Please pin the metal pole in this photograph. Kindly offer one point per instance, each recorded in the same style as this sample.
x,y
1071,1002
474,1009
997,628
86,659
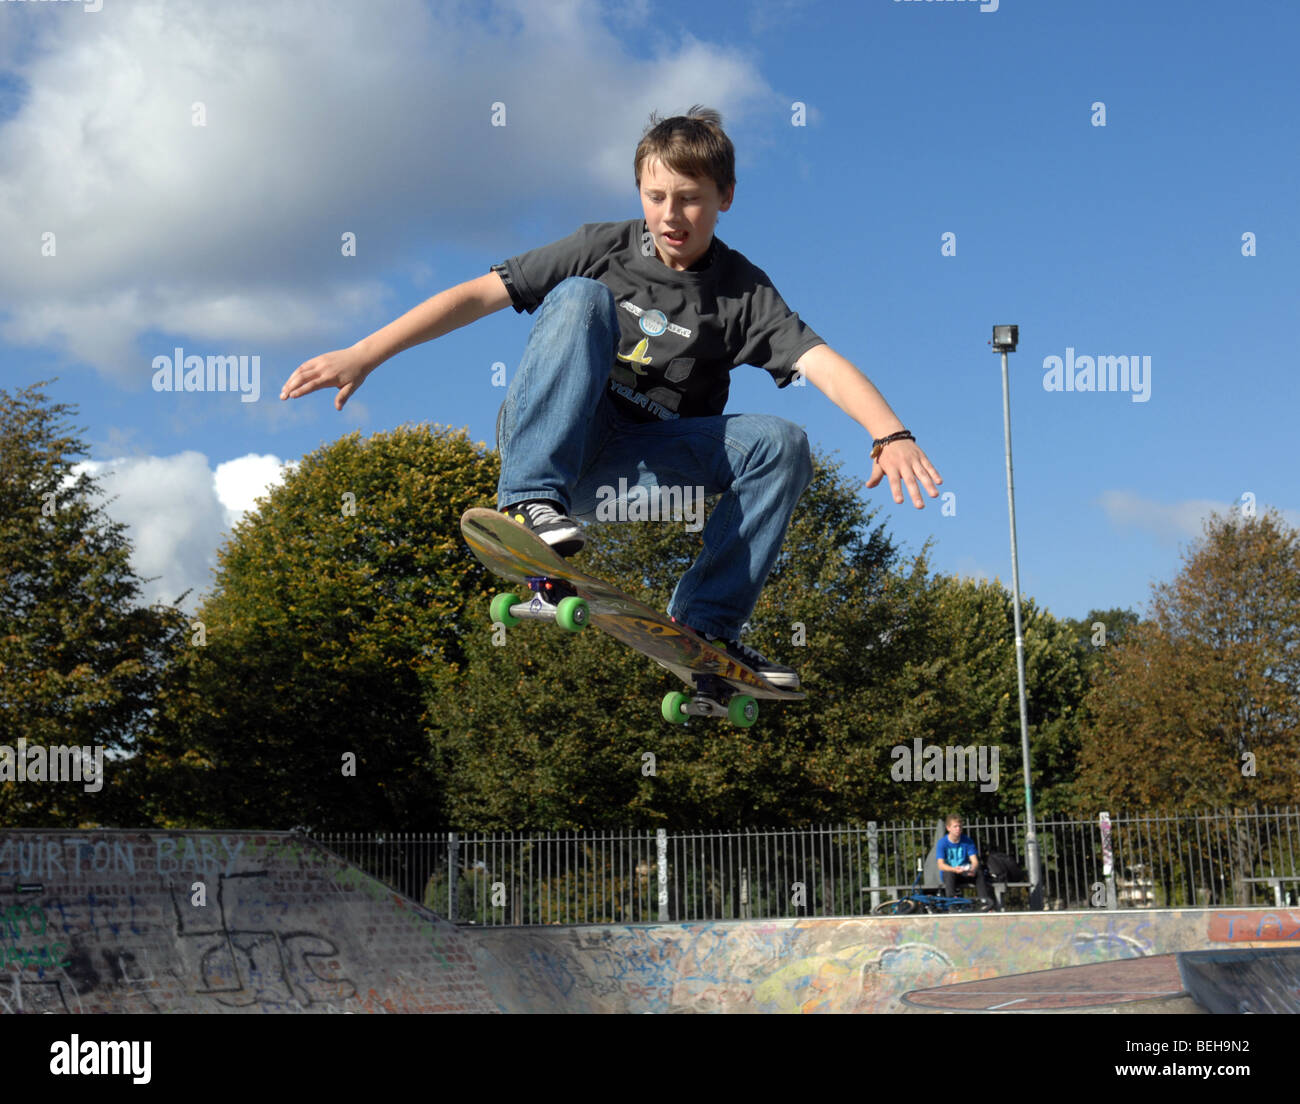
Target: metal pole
x,y
873,859
661,847
1031,838
453,871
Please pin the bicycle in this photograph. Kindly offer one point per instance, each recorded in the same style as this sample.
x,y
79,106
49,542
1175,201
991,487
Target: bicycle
x,y
918,902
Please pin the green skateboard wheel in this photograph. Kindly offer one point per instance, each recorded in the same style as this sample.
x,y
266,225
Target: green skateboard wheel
x,y
742,710
571,614
500,610
672,706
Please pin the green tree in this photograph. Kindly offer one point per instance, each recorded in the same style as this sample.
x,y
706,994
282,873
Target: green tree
x,y
1200,706
80,659
1103,627
299,700
955,685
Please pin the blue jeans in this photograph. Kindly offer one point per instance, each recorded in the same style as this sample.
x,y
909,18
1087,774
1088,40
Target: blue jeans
x,y
562,438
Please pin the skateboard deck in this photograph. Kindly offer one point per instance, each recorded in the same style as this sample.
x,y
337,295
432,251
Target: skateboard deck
x,y
720,685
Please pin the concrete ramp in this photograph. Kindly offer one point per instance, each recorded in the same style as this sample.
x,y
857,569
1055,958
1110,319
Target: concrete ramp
x,y
1243,981
1101,985
1095,961
219,922
1220,981
216,922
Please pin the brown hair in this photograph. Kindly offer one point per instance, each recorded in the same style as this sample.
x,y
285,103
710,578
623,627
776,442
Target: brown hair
x,y
693,144
951,817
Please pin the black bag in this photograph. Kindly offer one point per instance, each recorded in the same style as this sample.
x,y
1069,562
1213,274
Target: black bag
x,y
1004,868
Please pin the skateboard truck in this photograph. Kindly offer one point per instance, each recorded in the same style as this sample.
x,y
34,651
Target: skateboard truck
x,y
712,698
552,600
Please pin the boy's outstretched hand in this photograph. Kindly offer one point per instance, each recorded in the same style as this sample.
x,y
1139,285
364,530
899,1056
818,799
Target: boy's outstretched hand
x,y
345,369
852,392
904,462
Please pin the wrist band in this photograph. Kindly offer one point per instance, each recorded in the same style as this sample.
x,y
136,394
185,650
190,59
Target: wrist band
x,y
878,446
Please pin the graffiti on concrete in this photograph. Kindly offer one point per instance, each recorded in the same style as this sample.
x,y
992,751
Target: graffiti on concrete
x,y
859,964
22,942
110,922
80,858
244,964
1082,948
1255,926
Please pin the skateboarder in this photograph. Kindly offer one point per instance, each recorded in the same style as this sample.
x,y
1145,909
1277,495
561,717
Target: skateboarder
x,y
626,373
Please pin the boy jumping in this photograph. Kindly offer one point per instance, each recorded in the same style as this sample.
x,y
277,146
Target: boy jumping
x,y
626,373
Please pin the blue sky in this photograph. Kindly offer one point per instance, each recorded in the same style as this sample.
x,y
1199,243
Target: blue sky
x,y
923,119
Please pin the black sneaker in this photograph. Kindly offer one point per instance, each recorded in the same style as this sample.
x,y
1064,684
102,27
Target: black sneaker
x,y
784,678
543,518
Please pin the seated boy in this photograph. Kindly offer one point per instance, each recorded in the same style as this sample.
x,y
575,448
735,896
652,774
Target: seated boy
x,y
959,863
626,373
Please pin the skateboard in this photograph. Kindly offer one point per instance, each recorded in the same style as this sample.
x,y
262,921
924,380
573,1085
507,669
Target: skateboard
x,y
720,686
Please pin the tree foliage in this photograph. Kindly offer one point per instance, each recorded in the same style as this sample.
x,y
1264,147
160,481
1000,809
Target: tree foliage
x,y
299,699
953,683
1200,706
80,660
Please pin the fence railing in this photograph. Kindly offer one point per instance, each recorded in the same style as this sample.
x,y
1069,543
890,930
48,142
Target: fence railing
x,y
1239,857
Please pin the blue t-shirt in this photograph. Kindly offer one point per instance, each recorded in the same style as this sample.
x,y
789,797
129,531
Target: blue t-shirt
x,y
956,854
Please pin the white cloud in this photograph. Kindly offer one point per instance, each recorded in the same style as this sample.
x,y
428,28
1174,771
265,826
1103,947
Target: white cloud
x,y
1170,521
371,118
178,511
239,483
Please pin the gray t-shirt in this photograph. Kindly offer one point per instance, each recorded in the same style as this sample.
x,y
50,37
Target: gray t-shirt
x,y
682,332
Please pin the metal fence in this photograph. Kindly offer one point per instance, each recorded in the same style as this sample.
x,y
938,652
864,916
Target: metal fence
x,y
1239,857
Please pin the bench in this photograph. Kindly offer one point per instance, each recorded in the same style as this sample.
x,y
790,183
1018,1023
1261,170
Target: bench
x,y
927,867
1276,882
1000,887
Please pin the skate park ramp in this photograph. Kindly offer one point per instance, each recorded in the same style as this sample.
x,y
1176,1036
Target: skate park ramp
x,y
213,922
1243,981
1124,961
1229,981
216,922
